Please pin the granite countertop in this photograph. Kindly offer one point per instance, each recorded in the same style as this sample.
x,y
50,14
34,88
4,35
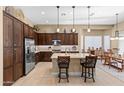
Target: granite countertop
x,y
72,55
47,49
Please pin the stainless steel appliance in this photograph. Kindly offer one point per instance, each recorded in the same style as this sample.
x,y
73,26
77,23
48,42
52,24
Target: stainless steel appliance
x,y
29,55
56,42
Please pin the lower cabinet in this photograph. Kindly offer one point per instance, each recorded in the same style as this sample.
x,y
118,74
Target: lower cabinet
x,y
18,71
8,76
43,57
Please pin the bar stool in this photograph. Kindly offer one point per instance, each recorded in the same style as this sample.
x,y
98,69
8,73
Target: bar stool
x,y
63,64
82,61
90,65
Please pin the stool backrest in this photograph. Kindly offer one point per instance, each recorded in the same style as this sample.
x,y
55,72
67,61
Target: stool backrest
x,y
91,61
63,60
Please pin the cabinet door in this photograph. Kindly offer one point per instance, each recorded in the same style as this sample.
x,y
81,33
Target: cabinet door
x,y
18,62
71,40
31,32
61,36
18,49
36,38
8,76
26,30
66,42
7,49
7,57
8,31
48,39
75,39
42,39
18,33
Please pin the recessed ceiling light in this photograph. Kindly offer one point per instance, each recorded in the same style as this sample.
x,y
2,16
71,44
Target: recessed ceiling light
x,y
42,12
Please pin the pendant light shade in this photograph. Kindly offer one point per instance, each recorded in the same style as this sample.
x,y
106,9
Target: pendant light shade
x,y
58,30
73,29
116,32
116,37
88,29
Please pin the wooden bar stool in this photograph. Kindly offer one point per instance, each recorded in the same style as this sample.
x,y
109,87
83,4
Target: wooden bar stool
x,y
90,66
63,64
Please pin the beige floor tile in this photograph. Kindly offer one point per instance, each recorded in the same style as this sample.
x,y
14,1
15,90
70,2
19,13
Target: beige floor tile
x,y
42,75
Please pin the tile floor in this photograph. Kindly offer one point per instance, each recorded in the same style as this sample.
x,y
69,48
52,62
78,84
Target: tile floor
x,y
42,76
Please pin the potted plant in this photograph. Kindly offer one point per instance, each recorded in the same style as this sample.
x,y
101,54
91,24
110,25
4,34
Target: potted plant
x,y
36,28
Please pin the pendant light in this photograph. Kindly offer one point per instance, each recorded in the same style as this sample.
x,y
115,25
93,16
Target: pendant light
x,y
73,29
116,32
58,19
88,29
116,37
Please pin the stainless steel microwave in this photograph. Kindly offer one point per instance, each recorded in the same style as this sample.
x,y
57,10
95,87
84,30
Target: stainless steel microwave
x,y
56,42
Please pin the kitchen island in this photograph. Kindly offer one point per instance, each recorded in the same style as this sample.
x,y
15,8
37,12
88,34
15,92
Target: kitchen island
x,y
74,66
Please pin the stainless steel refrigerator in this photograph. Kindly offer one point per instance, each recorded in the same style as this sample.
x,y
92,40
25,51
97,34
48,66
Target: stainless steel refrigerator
x,y
29,55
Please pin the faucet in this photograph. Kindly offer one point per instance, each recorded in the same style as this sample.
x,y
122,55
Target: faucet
x,y
66,50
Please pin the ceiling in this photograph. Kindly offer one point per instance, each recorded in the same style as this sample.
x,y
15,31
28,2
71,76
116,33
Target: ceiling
x,y
100,15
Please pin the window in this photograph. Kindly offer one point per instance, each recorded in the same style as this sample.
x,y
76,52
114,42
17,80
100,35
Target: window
x,y
93,41
121,43
106,42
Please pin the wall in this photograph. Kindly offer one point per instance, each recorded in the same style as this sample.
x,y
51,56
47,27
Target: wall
x,y
52,28
1,46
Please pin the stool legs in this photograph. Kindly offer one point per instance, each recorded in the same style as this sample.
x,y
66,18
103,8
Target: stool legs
x,y
82,72
85,75
59,75
66,73
89,73
93,75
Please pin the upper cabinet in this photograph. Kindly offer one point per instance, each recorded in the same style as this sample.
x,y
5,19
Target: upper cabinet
x,y
8,31
18,33
28,32
66,38
42,39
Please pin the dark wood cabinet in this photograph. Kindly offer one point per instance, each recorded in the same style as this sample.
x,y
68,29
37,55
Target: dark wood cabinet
x,y
18,49
8,57
66,38
31,32
75,39
43,56
61,36
13,49
8,31
49,38
36,38
8,76
7,49
18,72
42,39
26,30
18,33
47,56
